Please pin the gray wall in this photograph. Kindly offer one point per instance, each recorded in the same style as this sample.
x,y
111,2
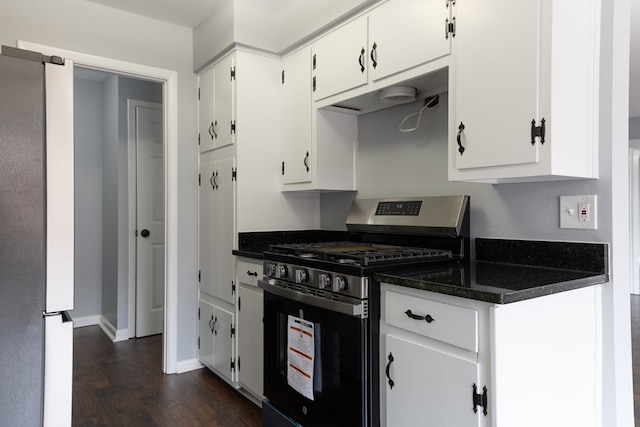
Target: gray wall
x,y
392,163
88,118
634,128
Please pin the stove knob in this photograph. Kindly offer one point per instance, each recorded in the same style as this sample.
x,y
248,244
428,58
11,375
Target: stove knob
x,y
339,284
281,271
269,269
324,280
301,276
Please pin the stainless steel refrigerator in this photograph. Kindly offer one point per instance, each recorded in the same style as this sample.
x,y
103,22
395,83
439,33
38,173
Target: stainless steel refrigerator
x,y
36,239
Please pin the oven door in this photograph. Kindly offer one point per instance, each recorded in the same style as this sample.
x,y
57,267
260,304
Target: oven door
x,y
339,385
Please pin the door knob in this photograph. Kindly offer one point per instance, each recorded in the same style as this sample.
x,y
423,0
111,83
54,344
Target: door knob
x,y
145,233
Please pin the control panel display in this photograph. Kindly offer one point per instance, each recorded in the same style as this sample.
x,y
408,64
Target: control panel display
x,y
411,208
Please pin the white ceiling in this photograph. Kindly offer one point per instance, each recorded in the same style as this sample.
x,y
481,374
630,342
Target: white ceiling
x,y
188,13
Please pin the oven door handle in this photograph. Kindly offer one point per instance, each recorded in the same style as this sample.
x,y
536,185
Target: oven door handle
x,y
355,310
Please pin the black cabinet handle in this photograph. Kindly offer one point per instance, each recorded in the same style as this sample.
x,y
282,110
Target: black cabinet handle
x,y
252,273
374,55
391,383
213,329
361,60
211,131
460,147
306,161
210,325
428,317
214,126
212,180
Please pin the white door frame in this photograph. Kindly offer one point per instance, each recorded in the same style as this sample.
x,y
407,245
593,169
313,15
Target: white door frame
x,y
132,104
169,79
634,200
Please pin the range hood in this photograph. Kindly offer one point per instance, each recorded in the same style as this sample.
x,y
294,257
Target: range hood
x,y
424,86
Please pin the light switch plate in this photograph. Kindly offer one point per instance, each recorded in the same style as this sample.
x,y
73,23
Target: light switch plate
x,y
579,212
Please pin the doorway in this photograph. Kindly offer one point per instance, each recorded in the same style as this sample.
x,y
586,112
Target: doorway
x,y
169,81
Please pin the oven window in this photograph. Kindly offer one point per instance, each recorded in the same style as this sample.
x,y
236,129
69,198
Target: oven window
x,y
339,378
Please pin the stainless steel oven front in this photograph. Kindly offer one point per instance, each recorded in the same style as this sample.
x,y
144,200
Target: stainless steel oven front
x,y
337,392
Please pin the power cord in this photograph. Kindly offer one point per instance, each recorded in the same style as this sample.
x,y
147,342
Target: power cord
x,y
432,102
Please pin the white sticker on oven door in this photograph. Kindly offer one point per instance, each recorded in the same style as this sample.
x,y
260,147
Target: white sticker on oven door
x,y
300,356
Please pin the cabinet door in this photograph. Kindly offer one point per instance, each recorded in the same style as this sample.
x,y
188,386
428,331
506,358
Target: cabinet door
x,y
496,81
206,227
217,228
223,230
205,333
250,338
340,59
430,387
404,34
296,117
206,114
224,102
223,342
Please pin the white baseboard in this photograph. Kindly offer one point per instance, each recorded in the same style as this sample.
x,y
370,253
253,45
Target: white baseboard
x,y
81,322
114,334
188,365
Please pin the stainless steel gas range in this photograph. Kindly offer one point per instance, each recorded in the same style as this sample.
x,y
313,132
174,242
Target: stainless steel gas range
x,y
322,307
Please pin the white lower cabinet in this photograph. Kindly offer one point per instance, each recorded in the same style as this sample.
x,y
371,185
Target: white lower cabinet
x,y
430,387
216,328
539,359
250,315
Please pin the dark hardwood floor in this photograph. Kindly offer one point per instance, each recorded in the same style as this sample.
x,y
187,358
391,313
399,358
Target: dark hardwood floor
x,y
121,384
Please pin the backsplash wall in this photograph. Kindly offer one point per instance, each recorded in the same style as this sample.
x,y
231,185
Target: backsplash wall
x,y
392,163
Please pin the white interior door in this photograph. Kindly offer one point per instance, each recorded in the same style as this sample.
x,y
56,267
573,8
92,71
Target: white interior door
x,y
149,220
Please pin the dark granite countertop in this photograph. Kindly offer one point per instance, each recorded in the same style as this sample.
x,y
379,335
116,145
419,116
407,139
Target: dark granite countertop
x,y
493,282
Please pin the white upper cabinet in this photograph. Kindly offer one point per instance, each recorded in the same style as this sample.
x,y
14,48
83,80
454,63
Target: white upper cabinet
x,y
523,91
296,117
216,107
340,59
318,146
404,34
397,36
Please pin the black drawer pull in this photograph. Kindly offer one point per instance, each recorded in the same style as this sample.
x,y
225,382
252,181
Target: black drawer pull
x,y
252,273
428,317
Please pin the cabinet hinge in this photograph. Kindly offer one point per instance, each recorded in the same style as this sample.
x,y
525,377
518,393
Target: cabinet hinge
x,y
314,61
239,304
199,179
234,174
452,2
199,276
537,131
198,313
450,28
233,73
282,76
233,365
233,126
198,138
198,343
314,83
238,363
198,93
282,168
480,399
233,287
233,331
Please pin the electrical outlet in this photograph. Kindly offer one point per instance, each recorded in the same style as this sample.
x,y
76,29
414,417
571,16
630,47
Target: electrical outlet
x,y
578,212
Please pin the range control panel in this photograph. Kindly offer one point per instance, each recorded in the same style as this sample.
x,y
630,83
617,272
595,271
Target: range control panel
x,y
411,208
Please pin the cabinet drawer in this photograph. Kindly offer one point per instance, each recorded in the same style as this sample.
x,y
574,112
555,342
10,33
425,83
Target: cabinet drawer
x,y
248,272
450,324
